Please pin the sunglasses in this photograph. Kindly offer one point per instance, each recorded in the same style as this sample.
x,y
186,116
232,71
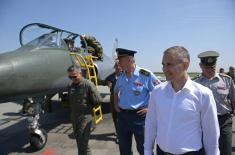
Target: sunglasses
x,y
209,67
72,77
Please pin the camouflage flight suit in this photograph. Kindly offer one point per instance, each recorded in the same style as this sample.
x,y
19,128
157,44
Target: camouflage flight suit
x,y
83,97
94,47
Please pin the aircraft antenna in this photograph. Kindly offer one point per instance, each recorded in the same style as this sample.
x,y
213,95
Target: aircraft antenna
x,y
115,46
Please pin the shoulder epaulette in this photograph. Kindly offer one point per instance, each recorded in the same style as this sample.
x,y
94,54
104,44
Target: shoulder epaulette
x,y
195,77
144,72
225,75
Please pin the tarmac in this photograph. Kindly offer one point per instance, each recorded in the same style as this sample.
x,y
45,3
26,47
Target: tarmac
x,y
14,136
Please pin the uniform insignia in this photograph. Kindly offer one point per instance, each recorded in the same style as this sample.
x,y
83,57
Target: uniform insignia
x,y
210,60
137,93
72,90
225,75
144,72
195,77
138,84
221,87
156,82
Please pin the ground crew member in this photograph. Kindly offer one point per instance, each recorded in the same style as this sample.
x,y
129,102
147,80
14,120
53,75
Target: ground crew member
x,y
94,46
83,96
131,95
231,73
221,70
223,90
70,43
27,108
111,82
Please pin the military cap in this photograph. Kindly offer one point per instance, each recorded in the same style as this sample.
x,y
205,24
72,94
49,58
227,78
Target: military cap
x,y
121,52
208,58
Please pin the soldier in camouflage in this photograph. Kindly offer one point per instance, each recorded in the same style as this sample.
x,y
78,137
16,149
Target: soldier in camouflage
x,y
71,45
83,96
94,47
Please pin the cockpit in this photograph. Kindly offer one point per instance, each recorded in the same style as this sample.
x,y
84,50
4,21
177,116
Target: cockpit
x,y
44,36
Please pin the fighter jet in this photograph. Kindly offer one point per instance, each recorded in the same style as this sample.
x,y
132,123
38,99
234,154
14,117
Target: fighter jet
x,y
37,70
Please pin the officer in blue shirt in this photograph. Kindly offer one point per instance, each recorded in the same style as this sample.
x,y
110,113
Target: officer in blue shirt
x,y
131,96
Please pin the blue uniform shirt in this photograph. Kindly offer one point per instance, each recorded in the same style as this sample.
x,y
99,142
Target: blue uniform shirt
x,y
134,92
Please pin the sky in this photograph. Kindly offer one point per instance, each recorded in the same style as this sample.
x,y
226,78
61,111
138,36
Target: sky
x,y
146,26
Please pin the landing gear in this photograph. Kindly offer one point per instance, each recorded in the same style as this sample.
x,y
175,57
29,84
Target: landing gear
x,y
37,136
27,108
37,142
38,139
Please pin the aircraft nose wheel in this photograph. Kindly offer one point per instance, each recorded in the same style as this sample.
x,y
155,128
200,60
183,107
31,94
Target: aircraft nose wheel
x,y
38,139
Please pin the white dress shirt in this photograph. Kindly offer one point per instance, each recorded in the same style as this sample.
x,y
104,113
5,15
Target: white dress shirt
x,y
176,120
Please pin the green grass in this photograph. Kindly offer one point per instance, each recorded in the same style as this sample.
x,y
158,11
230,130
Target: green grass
x,y
191,74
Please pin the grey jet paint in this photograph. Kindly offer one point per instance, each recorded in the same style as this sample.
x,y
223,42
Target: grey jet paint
x,y
38,69
39,66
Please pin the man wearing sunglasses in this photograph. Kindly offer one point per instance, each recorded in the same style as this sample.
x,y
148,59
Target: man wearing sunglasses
x,y
83,96
223,90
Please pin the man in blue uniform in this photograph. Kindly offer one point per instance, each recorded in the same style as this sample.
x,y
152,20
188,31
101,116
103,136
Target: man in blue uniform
x,y
223,90
131,96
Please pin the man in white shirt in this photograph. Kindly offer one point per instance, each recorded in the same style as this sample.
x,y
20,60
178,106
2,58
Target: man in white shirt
x,y
182,116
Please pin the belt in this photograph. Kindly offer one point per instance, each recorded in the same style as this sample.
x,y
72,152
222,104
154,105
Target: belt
x,y
129,110
199,152
225,115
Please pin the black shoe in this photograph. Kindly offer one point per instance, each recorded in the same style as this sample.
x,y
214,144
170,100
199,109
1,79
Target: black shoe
x,y
23,112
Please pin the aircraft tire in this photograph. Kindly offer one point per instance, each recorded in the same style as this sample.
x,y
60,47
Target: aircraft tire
x,y
37,142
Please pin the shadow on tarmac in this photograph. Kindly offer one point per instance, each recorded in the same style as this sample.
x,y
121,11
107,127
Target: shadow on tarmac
x,y
104,137
12,114
15,136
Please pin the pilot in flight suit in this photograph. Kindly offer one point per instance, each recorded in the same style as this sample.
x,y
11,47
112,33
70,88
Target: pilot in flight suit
x,y
83,96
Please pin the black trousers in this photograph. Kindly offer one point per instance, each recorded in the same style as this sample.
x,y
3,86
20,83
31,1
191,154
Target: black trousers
x,y
199,152
225,140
